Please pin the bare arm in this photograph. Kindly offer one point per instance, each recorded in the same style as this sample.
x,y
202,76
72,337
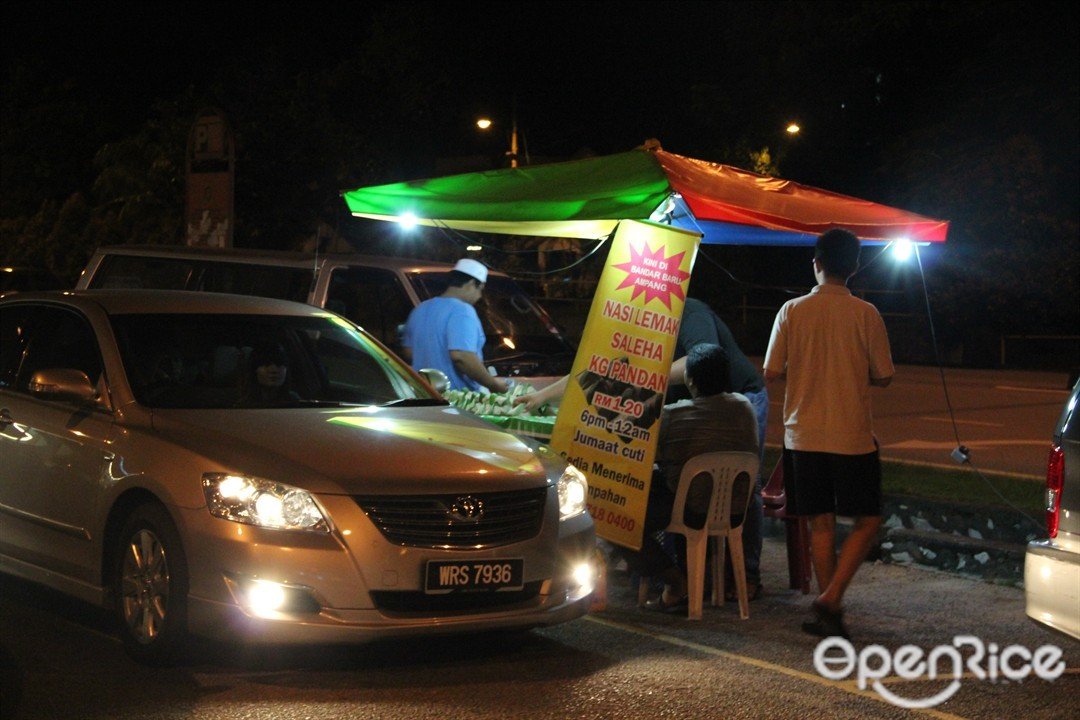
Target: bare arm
x,y
773,375
469,364
676,375
881,382
535,400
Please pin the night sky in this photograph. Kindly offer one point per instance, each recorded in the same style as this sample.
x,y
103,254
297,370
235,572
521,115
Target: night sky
x,y
597,77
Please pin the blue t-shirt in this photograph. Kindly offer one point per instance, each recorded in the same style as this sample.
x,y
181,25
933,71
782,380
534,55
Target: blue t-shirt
x,y
439,325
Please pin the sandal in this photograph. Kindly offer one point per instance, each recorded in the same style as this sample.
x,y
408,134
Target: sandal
x,y
826,622
753,591
675,606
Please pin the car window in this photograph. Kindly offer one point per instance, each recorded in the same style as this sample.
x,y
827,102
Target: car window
x,y
44,337
14,336
373,298
130,271
214,361
504,310
166,273
250,279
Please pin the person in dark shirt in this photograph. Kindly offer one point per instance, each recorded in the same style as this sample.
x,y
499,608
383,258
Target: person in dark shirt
x,y
700,325
715,419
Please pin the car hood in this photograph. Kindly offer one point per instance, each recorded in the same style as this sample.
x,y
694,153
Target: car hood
x,y
358,450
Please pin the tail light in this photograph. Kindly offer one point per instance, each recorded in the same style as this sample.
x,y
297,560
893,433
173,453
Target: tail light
x,y
1055,480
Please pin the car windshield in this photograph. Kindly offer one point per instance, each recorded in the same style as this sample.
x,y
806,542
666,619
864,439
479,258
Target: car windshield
x,y
224,361
511,319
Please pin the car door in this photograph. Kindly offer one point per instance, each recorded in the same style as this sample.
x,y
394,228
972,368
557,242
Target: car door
x,y
55,452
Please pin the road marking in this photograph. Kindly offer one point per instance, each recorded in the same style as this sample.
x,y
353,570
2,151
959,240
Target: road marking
x,y
848,686
1015,388
962,422
971,444
896,679
957,466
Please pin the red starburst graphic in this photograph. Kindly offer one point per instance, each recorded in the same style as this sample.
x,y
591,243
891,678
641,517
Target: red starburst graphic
x,y
654,274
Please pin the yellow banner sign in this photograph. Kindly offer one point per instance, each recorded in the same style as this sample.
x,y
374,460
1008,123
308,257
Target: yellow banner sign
x,y
609,417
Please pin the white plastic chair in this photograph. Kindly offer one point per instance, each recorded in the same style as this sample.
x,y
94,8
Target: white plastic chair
x,y
726,469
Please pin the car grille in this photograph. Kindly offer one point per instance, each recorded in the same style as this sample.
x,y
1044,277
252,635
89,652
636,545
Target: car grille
x,y
426,520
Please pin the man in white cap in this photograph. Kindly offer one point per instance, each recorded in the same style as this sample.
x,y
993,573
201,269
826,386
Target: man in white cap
x,y
444,332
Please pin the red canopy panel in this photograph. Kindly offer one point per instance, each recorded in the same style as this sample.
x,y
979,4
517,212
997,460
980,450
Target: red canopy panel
x,y
727,194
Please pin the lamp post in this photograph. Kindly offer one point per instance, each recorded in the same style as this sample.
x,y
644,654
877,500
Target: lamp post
x,y
485,123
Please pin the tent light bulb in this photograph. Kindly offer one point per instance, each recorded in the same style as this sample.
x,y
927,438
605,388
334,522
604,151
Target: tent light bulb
x,y
902,249
407,221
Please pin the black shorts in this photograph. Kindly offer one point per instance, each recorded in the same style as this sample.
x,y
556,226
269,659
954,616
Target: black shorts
x,y
817,483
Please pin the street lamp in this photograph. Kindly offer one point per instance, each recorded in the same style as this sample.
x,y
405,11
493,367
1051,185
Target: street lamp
x,y
793,128
485,123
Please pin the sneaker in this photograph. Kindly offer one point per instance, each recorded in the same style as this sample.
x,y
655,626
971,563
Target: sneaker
x,y
826,623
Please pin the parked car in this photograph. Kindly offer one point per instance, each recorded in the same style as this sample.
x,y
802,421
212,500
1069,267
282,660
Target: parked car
x,y
146,469
1052,566
377,293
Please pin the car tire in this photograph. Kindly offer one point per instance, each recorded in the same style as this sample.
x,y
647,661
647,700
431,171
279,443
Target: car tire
x,y
150,586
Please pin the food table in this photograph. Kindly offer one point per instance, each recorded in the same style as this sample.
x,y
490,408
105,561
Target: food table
x,y
534,426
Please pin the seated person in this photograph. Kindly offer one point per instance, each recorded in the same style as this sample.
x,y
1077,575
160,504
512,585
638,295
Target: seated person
x,y
715,419
266,380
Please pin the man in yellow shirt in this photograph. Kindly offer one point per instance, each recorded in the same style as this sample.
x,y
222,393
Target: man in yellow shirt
x,y
831,348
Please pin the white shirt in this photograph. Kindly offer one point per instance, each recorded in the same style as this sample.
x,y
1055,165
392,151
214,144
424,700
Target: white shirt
x,y
829,345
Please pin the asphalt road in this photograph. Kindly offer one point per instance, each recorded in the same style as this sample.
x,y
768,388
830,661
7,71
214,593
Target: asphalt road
x,y
1004,417
620,663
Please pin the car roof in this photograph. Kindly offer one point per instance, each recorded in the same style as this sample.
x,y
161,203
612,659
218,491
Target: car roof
x,y
280,257
132,302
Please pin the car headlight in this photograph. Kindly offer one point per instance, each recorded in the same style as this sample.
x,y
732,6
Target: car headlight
x,y
253,501
573,489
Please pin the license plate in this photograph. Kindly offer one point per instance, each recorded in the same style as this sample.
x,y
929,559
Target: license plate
x,y
444,576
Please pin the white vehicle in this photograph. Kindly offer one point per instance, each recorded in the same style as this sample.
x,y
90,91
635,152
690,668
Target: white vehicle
x,y
1052,566
377,293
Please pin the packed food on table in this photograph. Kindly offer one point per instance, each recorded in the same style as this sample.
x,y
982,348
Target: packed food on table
x,y
490,403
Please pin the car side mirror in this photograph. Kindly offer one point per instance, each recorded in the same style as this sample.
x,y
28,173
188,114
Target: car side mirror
x,y
62,384
437,379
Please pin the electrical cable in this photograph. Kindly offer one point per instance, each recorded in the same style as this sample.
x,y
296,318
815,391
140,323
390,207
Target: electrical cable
x,y
599,244
875,259
948,403
744,283
577,262
447,230
737,281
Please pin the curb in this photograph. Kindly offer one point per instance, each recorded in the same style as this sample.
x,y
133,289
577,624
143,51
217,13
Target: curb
x,y
983,542
991,560
979,542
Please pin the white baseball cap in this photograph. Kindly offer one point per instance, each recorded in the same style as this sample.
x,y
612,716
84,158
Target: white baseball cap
x,y
473,268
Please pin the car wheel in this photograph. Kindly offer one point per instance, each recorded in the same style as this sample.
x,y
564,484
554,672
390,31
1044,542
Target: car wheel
x,y
150,586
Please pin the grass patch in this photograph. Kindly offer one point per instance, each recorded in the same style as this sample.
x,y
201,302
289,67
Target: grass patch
x,y
964,485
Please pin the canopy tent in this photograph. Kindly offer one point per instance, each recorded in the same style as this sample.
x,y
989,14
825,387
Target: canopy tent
x,y
587,198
